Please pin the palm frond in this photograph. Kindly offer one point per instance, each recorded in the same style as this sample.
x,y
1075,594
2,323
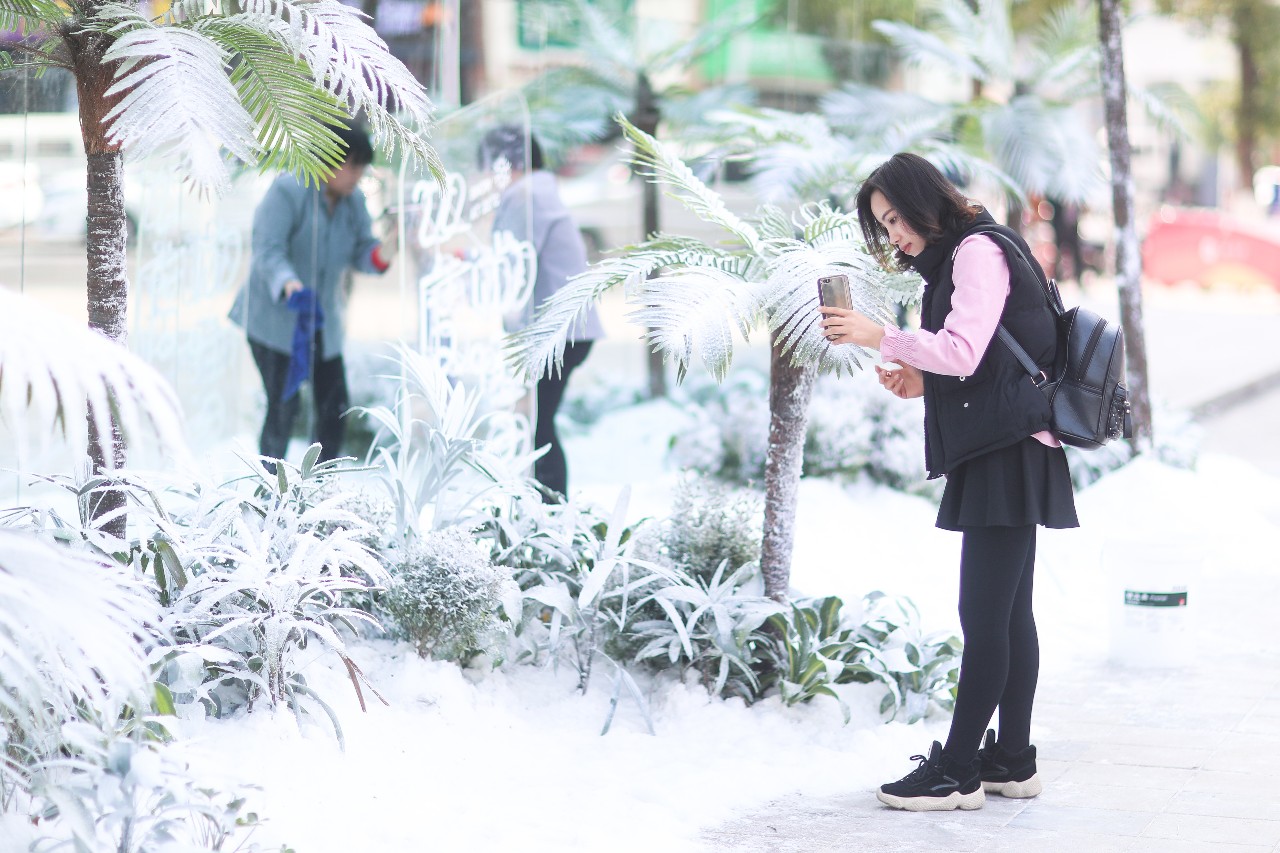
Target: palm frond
x,y
697,308
352,63
926,49
792,302
661,165
609,50
867,111
175,95
711,36
538,349
71,633
689,109
1169,106
19,16
1063,52
1045,150
54,373
276,89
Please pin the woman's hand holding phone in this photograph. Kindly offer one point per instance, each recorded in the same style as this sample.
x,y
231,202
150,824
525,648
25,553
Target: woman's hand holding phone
x,y
844,326
903,381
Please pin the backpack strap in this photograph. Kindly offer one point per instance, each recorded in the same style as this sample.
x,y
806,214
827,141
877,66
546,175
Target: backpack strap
x,y
1038,376
1046,284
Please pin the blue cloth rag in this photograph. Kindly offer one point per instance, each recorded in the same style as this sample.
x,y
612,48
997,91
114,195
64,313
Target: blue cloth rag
x,y
310,319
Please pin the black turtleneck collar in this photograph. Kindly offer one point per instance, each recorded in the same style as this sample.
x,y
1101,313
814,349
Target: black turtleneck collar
x,y
930,261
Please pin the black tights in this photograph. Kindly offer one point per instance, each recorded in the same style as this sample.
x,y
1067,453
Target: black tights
x,y
551,470
1001,659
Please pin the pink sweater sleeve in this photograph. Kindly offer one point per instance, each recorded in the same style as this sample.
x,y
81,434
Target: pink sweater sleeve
x,y
981,279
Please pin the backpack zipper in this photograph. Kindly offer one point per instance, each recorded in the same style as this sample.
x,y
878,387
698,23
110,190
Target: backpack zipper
x,y
1093,343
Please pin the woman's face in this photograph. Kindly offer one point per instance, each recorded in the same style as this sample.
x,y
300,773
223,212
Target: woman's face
x,y
901,236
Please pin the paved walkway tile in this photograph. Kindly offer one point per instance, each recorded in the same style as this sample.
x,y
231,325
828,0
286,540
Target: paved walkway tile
x,y
1254,802
1223,830
1074,819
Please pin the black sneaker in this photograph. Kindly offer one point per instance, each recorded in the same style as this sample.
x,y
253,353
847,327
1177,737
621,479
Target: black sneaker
x,y
938,784
1010,774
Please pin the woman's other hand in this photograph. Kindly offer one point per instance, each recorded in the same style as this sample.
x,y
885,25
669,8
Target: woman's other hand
x,y
842,326
905,381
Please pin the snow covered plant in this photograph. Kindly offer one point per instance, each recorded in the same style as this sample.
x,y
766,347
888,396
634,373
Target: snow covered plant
x,y
128,795
711,626
710,523
80,765
73,631
447,598
918,669
807,651
252,572
438,456
57,374
582,584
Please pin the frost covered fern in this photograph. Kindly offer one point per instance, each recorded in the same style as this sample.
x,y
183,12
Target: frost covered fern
x,y
445,594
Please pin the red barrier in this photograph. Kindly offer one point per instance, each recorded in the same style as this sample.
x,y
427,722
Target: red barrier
x,y
1208,247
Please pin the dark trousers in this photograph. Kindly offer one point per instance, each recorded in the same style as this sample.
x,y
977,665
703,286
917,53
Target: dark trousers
x,y
1001,661
329,390
551,470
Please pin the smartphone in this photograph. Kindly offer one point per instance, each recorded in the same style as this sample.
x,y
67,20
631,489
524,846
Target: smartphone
x,y
833,292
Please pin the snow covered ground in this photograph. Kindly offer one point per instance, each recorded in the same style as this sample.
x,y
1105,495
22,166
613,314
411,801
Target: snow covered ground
x,y
513,759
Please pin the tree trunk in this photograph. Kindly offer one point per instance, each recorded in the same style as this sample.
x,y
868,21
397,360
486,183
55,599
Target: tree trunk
x,y
646,118
1243,28
1128,258
106,285
790,388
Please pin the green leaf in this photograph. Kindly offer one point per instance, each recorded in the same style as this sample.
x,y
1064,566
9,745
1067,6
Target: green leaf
x,y
162,700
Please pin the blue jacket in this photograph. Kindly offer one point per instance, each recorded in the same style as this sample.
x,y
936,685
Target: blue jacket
x,y
295,236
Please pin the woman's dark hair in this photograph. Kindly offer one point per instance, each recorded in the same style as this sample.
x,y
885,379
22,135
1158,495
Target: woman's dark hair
x,y
928,202
507,140
357,150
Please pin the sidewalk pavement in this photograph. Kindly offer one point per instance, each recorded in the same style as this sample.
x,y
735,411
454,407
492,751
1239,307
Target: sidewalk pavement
x,y
1150,760
1157,761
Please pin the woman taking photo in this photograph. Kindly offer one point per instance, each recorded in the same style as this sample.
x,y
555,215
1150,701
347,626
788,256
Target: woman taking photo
x,y
987,432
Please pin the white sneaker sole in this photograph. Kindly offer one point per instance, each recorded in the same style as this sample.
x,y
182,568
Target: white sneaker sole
x,y
954,800
1017,790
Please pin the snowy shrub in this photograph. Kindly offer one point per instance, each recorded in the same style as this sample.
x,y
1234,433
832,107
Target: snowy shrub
x,y
117,793
919,670
855,429
710,523
252,573
807,651
581,582
445,595
437,455
738,411
710,626
82,765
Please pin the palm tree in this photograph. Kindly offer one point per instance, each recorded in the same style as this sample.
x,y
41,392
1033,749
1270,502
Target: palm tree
x,y
1128,255
573,104
695,297
256,78
1033,133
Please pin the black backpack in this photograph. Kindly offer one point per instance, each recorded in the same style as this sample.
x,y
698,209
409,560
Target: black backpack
x,y
1088,400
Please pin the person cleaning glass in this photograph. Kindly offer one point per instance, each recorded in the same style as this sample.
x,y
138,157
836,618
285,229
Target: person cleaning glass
x,y
293,306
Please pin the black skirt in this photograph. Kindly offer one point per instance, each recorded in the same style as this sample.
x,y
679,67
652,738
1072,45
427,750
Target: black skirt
x,y
1025,483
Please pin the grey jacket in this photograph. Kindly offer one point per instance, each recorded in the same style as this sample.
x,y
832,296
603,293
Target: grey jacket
x,y
295,236
531,209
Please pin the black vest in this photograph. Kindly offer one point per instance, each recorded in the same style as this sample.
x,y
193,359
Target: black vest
x,y
998,405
